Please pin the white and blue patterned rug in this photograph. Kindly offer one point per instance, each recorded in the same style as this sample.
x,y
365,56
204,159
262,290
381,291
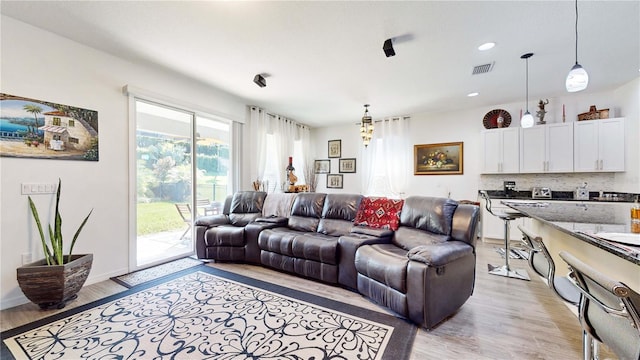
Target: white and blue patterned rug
x,y
206,313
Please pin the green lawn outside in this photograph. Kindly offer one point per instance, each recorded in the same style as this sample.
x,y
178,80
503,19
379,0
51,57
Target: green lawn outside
x,y
157,217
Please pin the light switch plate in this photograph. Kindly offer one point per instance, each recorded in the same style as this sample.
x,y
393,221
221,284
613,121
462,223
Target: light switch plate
x,y
37,188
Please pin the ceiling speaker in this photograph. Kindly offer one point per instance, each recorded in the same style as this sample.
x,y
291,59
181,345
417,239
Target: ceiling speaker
x,y
388,48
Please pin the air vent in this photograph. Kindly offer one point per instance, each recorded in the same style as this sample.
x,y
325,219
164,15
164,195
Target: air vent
x,y
481,69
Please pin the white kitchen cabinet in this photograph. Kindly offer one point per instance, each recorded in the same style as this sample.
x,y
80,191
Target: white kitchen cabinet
x,y
546,148
500,155
493,227
599,145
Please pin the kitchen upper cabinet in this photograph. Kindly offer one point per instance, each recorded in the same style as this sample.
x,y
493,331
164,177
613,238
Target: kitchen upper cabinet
x,y
546,148
599,145
500,153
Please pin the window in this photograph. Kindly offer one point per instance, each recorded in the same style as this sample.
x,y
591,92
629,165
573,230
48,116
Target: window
x,y
73,140
72,123
56,121
56,137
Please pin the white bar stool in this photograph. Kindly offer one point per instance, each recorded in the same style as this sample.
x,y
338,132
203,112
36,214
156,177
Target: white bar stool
x,y
506,217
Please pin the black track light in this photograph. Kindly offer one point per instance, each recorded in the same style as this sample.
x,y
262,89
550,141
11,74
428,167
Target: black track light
x,y
388,48
260,81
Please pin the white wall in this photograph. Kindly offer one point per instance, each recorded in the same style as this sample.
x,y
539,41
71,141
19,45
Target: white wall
x,y
41,65
466,125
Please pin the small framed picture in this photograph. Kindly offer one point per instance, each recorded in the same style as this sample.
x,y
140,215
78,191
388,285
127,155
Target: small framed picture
x,y
322,166
334,181
335,148
347,165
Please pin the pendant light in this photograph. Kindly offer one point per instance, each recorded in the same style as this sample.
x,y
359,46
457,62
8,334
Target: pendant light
x,y
527,118
577,79
366,126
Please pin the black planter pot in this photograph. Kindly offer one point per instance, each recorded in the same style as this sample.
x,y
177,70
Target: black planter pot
x,y
52,286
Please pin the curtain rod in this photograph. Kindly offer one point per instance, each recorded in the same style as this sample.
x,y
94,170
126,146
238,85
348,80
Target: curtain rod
x,y
274,115
392,118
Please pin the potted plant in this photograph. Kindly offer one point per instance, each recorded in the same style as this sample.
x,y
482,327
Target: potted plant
x,y
56,279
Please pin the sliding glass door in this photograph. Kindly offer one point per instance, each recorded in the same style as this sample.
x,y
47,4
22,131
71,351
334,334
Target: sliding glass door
x,y
172,185
164,180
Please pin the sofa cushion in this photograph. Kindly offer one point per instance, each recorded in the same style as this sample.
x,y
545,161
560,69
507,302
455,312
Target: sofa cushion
x,y
246,206
278,240
224,235
316,247
382,213
408,238
385,263
428,213
341,206
306,211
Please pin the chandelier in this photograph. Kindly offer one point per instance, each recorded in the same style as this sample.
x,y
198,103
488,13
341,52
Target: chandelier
x,y
366,126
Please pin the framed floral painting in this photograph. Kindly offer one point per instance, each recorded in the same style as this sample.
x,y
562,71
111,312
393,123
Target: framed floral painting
x,y
438,159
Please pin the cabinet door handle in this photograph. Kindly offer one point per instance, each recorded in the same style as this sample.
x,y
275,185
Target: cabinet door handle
x,y
597,165
601,166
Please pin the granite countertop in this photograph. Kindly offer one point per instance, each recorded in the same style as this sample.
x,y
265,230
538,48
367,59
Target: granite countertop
x,y
566,196
583,220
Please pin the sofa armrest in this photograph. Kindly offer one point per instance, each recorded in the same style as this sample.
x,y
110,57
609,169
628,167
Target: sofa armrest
x,y
347,247
439,254
212,220
366,230
251,233
465,223
278,220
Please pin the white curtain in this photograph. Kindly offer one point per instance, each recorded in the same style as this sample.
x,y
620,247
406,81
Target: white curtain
x,y
284,133
386,160
259,123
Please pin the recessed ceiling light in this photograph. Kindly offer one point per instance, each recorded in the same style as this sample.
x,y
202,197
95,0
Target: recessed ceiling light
x,y
473,94
486,46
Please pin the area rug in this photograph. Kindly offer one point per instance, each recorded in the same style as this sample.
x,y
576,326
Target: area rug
x,y
156,272
207,313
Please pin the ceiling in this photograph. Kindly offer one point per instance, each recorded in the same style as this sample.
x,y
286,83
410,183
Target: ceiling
x,y
323,60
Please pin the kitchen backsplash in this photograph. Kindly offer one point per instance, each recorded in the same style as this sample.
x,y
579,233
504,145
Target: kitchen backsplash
x,y
557,182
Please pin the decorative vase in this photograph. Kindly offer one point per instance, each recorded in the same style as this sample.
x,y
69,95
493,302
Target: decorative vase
x,y
52,286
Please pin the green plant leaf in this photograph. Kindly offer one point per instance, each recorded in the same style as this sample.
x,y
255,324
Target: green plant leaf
x,y
36,217
75,237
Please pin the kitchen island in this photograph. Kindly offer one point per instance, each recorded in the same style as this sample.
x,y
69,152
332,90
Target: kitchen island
x,y
573,227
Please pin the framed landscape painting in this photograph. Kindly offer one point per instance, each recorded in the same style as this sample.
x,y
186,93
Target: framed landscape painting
x,y
438,159
40,129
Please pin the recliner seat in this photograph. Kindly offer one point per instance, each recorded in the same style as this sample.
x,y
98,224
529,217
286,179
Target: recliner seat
x,y
428,270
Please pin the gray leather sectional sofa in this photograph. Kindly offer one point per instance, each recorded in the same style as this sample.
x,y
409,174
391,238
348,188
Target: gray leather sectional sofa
x,y
424,270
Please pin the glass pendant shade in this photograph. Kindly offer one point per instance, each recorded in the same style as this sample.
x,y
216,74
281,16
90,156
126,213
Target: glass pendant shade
x,y
366,127
577,79
527,120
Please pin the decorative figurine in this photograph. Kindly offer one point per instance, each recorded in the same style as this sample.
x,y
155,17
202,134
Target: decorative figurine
x,y
540,113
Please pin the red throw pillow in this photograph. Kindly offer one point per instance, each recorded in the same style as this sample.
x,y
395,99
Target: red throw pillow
x,y
381,213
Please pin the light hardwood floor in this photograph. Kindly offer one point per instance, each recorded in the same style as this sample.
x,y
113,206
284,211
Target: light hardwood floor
x,y
504,319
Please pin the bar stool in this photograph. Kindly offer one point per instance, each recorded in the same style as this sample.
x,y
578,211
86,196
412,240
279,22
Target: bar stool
x,y
608,311
506,217
542,263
